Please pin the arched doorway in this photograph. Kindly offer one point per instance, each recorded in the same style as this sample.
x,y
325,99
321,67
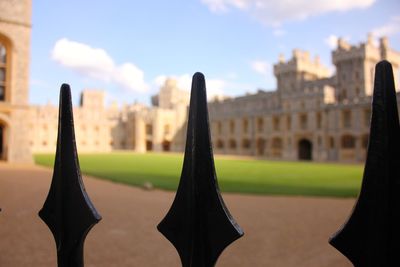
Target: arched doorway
x,y
305,149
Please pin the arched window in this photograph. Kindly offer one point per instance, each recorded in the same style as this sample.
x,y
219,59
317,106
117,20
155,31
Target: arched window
x,y
3,69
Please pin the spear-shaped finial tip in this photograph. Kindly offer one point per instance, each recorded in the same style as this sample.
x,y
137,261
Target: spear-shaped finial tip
x,y
198,76
65,87
198,81
65,91
383,63
198,94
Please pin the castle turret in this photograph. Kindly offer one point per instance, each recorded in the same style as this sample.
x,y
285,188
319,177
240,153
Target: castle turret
x,y
300,68
355,66
170,95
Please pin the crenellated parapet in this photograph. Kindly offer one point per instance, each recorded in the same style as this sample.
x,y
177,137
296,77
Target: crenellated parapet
x,y
301,68
346,51
301,62
355,66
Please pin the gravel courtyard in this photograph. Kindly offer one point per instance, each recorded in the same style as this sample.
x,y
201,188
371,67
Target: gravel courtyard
x,y
279,231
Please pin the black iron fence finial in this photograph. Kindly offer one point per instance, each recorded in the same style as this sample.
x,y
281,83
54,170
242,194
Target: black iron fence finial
x,y
371,235
68,211
198,224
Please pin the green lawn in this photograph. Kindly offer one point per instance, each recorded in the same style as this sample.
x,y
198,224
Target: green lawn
x,y
234,175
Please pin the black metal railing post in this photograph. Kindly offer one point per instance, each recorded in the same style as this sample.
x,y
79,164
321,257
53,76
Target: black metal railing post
x,y
68,211
198,224
371,235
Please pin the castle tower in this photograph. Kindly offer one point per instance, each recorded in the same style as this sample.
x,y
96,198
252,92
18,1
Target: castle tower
x,y
292,74
355,66
170,95
15,31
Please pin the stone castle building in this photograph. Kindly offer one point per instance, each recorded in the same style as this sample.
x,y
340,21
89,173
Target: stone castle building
x,y
15,31
312,115
133,127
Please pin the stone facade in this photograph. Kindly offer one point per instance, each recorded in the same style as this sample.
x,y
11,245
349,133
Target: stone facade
x,y
15,31
133,127
311,115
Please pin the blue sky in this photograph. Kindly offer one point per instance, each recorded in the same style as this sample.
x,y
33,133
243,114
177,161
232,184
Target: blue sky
x,y
128,48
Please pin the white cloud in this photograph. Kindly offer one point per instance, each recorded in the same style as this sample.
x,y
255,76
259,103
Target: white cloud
x,y
95,63
261,67
215,87
276,12
331,41
390,28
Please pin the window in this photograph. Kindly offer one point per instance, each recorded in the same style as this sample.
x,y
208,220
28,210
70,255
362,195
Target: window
x,y
275,121
303,121
276,143
246,143
357,91
319,120
288,122
348,141
245,126
3,70
232,127
260,125
220,144
219,127
261,144
149,129
331,143
346,118
232,144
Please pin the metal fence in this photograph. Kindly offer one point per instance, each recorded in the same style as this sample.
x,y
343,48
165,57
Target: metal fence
x,y
198,223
